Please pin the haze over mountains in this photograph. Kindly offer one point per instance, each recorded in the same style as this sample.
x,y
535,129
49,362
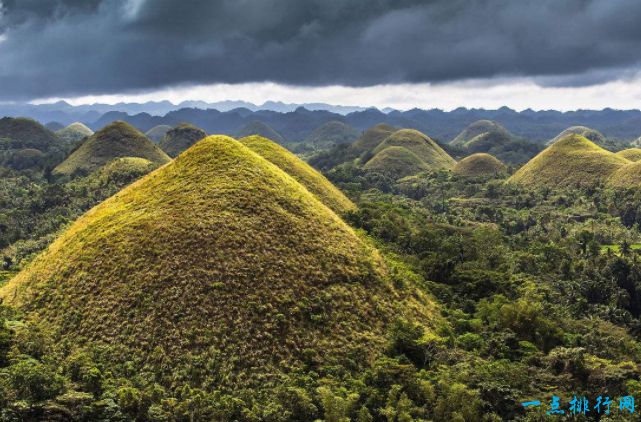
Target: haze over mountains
x,y
296,122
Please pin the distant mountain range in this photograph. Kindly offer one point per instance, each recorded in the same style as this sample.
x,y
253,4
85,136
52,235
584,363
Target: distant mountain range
x,y
296,122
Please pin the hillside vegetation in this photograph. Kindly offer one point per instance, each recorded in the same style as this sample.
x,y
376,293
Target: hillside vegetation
x,y
632,154
156,133
588,133
221,258
571,161
421,145
396,163
315,182
75,132
180,138
332,133
118,139
479,165
256,127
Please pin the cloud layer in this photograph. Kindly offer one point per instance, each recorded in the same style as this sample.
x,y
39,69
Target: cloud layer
x,y
66,48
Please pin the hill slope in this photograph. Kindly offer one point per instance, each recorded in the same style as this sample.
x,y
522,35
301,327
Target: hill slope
x,y
75,132
478,128
315,182
332,133
156,133
479,165
396,162
420,144
372,137
259,128
180,138
571,161
20,133
588,133
626,177
218,257
632,154
118,139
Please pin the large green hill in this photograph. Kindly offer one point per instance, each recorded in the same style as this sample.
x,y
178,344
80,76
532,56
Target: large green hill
x,y
480,128
118,139
571,161
588,133
21,133
156,133
219,271
632,154
421,145
180,138
332,133
306,175
372,137
396,162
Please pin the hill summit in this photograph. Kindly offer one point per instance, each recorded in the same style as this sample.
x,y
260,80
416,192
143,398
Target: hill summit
x,y
421,145
480,128
332,133
571,161
222,258
372,137
588,133
180,138
21,133
479,165
632,154
119,139
74,132
256,127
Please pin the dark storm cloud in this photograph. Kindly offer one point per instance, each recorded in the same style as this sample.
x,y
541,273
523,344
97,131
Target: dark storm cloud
x,y
74,47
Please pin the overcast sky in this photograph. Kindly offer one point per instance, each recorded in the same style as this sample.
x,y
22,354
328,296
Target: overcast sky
x,y
557,54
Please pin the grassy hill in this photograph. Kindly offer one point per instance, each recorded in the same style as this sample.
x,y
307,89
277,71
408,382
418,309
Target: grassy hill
x,y
156,133
396,162
118,139
632,154
332,133
20,133
75,132
372,137
626,177
256,127
180,138
479,165
571,161
480,128
421,145
588,133
315,182
218,271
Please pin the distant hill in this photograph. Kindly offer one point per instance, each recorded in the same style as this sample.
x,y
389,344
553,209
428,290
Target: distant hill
x,y
115,140
632,154
479,128
332,133
218,257
485,136
54,126
20,133
180,138
588,133
479,165
315,182
156,133
372,137
626,177
396,162
571,161
75,132
261,129
421,145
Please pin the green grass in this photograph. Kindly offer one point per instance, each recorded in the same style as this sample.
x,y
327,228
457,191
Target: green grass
x,y
632,154
421,145
478,165
627,176
180,138
616,249
222,257
118,139
27,133
396,162
306,175
332,133
571,161
75,132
